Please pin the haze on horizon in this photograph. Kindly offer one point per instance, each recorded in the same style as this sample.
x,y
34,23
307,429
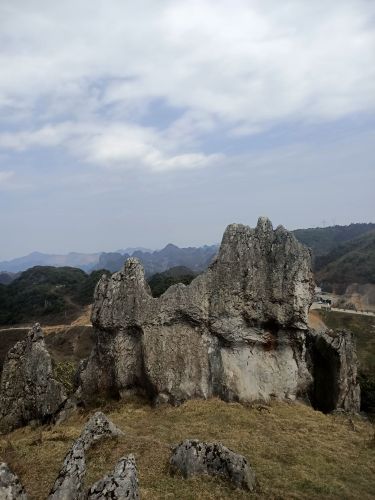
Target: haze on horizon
x,y
138,124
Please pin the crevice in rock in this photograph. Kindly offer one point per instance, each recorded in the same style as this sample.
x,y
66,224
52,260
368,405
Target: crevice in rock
x,y
324,390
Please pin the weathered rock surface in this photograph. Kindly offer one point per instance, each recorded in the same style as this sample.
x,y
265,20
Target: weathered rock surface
x,y
121,484
334,367
10,486
28,390
194,457
238,331
69,483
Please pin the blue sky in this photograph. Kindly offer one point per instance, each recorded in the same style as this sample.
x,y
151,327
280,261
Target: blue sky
x,y
139,123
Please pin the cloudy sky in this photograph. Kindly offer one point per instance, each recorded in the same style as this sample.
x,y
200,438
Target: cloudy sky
x,y
129,123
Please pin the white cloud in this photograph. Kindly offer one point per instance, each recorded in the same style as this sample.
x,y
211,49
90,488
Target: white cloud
x,y
240,65
110,145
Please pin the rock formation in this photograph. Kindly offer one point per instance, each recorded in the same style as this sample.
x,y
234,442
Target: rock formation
x,y
238,331
121,484
334,368
28,390
193,457
10,486
69,483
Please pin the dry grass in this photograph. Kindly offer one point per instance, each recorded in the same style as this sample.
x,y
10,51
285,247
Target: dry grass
x,y
296,452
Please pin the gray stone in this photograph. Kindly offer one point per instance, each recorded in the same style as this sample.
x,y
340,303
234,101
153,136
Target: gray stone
x,y
121,484
28,389
194,457
238,331
10,486
69,483
334,366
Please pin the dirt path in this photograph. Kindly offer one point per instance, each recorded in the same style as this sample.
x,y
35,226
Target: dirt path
x,y
316,306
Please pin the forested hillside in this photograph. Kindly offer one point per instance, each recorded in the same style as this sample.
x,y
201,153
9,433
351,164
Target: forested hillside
x,y
342,255
322,240
44,291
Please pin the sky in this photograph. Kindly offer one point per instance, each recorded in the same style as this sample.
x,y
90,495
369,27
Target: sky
x,y
129,123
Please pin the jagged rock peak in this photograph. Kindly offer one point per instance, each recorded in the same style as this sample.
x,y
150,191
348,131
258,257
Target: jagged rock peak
x,y
234,332
238,331
28,389
35,334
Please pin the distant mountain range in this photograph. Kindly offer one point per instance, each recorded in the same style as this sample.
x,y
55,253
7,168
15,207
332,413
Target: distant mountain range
x,y
196,259
341,255
84,261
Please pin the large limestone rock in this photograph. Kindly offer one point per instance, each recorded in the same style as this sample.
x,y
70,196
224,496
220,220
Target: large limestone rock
x,y
121,484
10,486
238,331
28,390
194,457
69,483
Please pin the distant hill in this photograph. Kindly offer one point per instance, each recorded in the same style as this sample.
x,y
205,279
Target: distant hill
x,y
323,240
131,250
6,278
349,262
73,259
160,282
42,292
58,293
112,261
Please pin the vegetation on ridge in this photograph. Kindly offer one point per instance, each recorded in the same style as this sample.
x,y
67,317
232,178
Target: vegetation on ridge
x,y
160,282
44,291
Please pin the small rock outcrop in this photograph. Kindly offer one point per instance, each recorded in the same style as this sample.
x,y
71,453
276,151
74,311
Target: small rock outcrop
x,y
238,331
28,389
10,486
69,483
194,457
121,484
334,367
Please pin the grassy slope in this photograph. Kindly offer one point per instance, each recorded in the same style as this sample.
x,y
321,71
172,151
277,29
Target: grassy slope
x,y
296,452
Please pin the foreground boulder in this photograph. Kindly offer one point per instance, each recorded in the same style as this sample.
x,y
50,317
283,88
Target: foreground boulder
x,y
10,486
28,389
69,483
121,484
194,457
238,331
